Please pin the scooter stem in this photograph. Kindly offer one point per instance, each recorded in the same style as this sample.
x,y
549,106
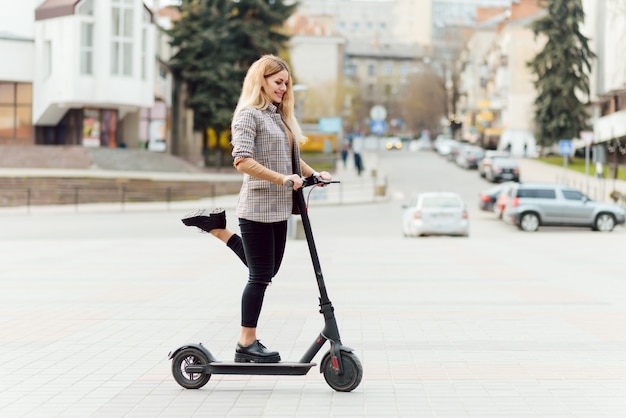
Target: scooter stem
x,y
299,197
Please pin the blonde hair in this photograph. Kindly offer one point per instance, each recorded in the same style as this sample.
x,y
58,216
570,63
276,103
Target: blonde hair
x,y
253,94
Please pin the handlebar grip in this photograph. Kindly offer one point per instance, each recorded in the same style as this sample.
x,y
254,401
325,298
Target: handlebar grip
x,y
289,183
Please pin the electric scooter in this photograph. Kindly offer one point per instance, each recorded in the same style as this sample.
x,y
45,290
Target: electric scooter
x,y
193,364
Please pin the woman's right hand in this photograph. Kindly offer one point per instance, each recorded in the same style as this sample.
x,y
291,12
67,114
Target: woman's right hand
x,y
294,180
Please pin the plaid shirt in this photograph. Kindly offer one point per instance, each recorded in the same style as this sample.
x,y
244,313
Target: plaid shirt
x,y
261,135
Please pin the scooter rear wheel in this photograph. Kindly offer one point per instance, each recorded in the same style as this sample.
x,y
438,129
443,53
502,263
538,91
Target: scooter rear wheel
x,y
352,372
189,357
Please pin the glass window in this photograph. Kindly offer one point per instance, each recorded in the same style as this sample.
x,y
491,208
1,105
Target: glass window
x,y
47,59
86,48
7,93
122,37
128,59
15,110
573,195
7,121
24,93
115,21
371,70
128,23
388,68
537,193
115,57
144,46
23,128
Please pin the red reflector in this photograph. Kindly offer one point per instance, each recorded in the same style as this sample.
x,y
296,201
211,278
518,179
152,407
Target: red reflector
x,y
465,215
335,363
515,202
485,198
417,215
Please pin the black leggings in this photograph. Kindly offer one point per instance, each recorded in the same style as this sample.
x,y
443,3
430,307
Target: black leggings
x,y
261,247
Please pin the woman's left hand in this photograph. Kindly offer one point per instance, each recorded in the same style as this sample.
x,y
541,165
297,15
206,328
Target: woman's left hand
x,y
325,175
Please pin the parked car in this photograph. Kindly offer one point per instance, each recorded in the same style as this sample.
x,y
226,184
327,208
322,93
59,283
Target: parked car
x,y
490,155
443,146
531,205
455,147
469,156
435,213
393,143
502,169
488,198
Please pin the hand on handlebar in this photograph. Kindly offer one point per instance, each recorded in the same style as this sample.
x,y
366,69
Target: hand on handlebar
x,y
319,179
294,181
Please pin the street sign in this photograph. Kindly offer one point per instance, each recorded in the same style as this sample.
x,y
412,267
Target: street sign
x,y
378,127
587,136
565,147
378,113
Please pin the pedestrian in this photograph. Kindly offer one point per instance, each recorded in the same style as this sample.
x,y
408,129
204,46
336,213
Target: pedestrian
x,y
265,140
525,149
345,149
356,152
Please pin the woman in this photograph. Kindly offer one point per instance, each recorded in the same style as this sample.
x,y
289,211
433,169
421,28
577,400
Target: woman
x,y
265,138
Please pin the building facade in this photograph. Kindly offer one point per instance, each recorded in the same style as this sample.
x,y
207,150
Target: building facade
x,y
82,72
497,86
605,26
384,42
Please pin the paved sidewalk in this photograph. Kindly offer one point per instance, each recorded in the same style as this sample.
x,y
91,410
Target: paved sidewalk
x,y
91,302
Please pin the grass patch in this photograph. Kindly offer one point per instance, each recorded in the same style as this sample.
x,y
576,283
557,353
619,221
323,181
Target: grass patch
x,y
578,165
320,161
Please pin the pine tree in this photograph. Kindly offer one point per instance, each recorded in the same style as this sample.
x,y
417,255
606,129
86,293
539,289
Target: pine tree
x,y
216,42
561,70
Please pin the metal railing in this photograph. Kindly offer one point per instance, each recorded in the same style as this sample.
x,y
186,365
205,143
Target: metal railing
x,y
74,197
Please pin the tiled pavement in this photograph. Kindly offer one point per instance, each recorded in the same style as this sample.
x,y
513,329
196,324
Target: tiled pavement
x,y
92,302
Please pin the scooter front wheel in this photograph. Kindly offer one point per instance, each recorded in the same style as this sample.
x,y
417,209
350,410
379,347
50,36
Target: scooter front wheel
x,y
185,358
352,372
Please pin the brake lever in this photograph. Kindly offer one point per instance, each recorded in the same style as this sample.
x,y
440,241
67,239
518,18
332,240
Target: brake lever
x,y
311,181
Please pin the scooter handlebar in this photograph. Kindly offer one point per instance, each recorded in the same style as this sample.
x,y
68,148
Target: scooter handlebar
x,y
311,181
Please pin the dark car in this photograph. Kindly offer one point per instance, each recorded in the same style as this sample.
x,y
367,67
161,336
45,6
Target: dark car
x,y
488,198
502,169
489,157
469,156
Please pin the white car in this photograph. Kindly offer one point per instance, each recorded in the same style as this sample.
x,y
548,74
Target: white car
x,y
435,213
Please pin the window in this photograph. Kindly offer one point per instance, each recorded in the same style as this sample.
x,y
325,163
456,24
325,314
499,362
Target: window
x,y
85,10
573,195
15,110
86,48
388,68
147,19
371,69
47,59
122,37
537,193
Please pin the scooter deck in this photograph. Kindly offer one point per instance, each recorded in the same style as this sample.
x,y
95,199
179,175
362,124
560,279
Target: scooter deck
x,y
267,369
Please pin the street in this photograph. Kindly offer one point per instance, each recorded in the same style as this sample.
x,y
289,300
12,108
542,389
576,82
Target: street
x,y
503,323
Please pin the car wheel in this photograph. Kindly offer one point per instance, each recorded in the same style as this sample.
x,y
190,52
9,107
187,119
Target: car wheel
x,y
529,222
605,222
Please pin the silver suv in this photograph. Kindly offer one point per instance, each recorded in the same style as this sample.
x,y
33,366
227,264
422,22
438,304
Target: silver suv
x,y
531,205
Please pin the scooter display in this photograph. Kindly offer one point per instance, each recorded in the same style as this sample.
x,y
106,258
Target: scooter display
x,y
193,364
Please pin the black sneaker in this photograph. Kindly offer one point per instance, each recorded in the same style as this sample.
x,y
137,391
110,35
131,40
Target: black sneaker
x,y
214,220
255,353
